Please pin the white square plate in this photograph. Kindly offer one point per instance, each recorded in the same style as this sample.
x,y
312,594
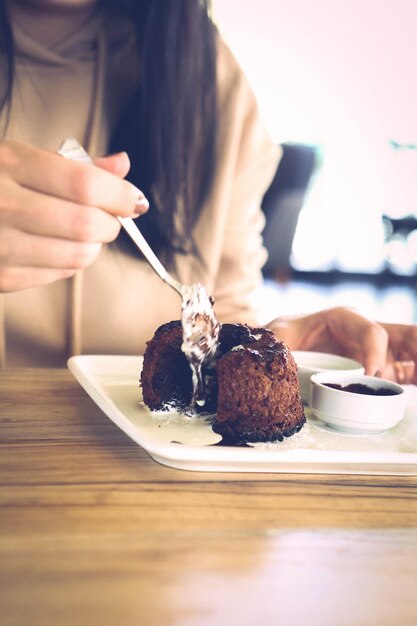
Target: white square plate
x,y
188,443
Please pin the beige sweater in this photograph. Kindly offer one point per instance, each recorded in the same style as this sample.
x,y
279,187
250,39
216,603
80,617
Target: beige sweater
x,y
117,304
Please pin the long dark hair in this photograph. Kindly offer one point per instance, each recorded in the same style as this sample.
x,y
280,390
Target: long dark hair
x,y
6,67
169,129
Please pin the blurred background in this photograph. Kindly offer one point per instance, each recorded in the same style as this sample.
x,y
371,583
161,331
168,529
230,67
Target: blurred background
x,y
337,86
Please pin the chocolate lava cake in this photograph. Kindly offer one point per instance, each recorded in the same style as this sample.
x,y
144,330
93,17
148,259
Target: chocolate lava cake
x,y
251,385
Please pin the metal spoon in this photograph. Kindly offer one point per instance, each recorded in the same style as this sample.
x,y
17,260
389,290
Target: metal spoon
x,y
200,326
71,149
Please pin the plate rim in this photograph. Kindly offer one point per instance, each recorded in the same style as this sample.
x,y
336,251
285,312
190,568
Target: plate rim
x,y
249,459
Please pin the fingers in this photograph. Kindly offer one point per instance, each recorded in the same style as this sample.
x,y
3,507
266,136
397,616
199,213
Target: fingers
x,y
403,340
386,350
31,261
361,338
76,182
23,250
374,347
56,213
403,351
402,372
18,278
44,215
118,164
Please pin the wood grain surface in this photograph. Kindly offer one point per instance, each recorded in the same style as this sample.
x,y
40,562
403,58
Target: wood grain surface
x,y
95,532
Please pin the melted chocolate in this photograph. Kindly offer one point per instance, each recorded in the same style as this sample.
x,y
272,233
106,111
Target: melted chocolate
x,y
363,389
235,444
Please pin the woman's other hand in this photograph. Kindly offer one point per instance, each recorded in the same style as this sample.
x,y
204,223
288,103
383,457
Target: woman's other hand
x,y
386,350
55,214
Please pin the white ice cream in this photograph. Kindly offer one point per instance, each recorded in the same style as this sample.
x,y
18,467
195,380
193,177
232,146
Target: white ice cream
x,y
200,333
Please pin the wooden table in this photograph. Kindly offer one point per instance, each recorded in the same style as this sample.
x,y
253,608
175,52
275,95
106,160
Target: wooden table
x,y
95,532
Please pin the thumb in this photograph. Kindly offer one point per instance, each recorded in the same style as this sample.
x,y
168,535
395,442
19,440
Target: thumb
x,y
118,164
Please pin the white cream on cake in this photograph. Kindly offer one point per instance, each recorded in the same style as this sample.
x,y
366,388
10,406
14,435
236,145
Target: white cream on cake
x,y
200,334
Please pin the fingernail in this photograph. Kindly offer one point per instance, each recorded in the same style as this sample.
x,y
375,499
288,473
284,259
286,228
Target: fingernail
x,y
142,205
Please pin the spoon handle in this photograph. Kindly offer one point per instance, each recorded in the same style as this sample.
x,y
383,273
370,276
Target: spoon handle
x,y
137,237
71,149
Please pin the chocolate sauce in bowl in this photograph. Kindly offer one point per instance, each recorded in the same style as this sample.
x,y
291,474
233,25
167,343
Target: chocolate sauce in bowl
x,y
363,389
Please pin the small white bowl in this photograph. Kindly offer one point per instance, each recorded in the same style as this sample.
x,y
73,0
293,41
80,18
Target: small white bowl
x,y
356,413
310,363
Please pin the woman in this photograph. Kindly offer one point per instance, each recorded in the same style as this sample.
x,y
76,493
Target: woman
x,y
151,79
